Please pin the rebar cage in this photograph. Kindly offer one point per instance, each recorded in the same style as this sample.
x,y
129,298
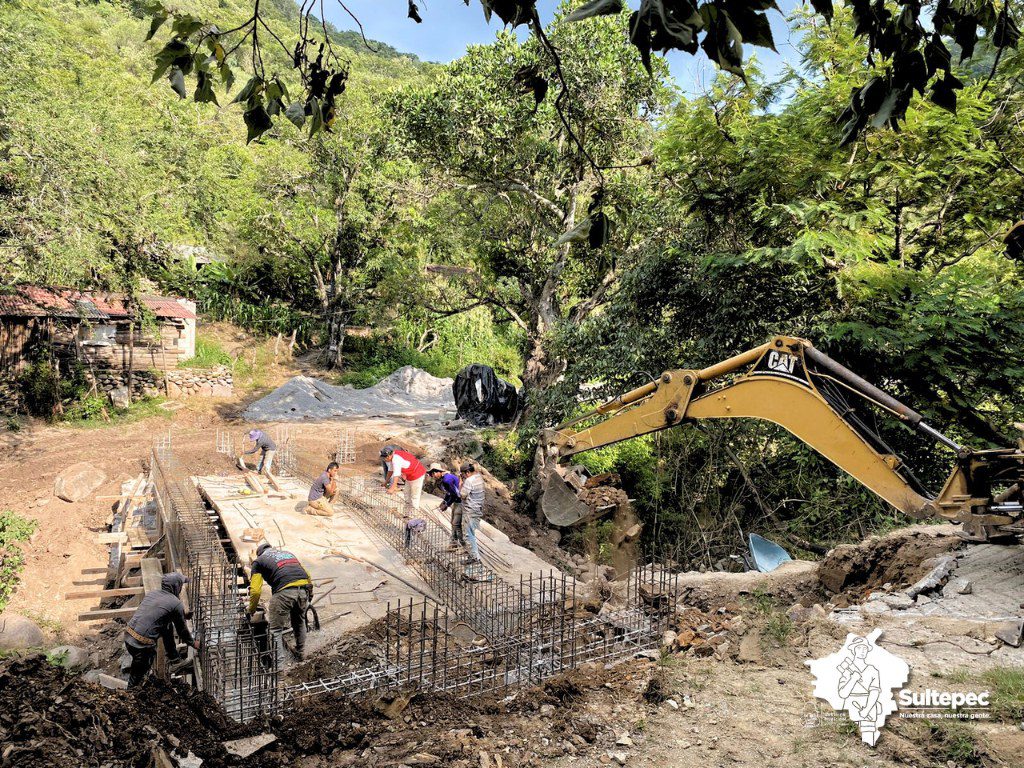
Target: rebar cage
x,y
231,665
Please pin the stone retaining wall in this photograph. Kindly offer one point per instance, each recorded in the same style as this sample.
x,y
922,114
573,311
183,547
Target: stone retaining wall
x,y
207,382
181,383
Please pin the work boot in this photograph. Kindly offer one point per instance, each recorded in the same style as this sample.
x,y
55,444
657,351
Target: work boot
x,y
454,547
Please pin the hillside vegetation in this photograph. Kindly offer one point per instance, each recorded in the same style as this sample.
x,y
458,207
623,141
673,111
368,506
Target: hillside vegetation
x,y
581,249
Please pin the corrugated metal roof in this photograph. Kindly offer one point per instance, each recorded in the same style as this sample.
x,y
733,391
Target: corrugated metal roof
x,y
40,301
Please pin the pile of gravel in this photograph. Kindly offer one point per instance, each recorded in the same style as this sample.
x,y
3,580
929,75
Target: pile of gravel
x,y
409,391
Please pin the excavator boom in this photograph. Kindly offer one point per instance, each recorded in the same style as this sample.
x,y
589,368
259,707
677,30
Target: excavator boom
x,y
789,383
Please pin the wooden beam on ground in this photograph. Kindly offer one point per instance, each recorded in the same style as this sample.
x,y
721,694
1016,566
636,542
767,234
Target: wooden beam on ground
x,y
112,537
104,614
103,593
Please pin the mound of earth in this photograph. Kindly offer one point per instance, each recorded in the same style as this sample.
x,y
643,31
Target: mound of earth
x,y
408,392
898,559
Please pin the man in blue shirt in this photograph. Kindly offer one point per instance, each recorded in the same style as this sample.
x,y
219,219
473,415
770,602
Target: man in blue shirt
x,y
448,483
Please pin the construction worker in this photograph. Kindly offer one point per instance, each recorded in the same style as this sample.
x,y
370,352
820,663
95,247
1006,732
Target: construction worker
x,y
268,448
323,492
402,464
472,494
385,468
452,500
156,619
291,589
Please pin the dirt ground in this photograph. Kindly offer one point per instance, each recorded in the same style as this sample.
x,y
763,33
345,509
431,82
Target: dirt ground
x,y
731,690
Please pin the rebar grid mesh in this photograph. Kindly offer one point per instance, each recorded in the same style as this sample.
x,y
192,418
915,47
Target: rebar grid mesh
x,y
525,632
234,669
286,462
346,453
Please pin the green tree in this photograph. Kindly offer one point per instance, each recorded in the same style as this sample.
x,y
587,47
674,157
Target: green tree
x,y
525,222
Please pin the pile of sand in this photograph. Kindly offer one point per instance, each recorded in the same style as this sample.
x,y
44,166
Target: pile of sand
x,y
409,391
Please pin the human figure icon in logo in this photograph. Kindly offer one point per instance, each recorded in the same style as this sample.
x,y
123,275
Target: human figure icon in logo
x,y
860,687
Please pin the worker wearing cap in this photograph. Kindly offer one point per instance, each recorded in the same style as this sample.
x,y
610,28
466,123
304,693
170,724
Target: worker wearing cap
x,y
472,493
452,500
158,616
268,448
402,464
291,589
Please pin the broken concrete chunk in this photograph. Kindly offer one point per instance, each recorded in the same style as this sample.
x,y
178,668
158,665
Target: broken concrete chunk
x,y
898,601
100,678
874,609
957,586
250,745
1011,632
941,566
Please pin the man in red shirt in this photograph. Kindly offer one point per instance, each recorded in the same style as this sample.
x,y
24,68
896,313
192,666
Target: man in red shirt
x,y
402,464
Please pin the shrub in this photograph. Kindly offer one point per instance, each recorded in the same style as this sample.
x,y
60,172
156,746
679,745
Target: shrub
x,y
209,354
13,530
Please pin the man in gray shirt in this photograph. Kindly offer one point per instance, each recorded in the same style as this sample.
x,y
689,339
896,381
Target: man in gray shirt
x,y
267,448
472,492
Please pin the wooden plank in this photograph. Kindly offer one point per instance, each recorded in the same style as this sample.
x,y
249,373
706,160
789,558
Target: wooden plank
x,y
104,614
103,593
112,537
152,574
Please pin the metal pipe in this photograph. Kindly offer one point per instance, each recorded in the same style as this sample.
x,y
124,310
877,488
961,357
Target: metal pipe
x,y
865,388
733,363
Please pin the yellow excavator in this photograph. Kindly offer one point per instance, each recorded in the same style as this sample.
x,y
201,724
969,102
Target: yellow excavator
x,y
789,382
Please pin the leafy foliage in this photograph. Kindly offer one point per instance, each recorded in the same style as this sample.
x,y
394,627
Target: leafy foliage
x,y
907,40
14,531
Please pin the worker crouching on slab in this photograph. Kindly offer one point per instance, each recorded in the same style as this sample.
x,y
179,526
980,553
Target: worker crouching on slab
x,y
291,590
158,616
402,464
449,483
268,449
324,492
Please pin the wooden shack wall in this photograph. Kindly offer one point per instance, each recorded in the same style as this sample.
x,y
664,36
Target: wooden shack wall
x,y
18,336
154,349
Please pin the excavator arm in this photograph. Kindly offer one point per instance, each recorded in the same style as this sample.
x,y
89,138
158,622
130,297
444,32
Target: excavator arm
x,y
789,383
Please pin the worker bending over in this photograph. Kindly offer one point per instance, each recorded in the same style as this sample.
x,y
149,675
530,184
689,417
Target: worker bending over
x,y
268,448
452,500
402,464
472,494
158,616
289,582
323,492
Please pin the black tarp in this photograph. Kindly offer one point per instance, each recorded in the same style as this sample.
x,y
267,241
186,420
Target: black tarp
x,y
482,398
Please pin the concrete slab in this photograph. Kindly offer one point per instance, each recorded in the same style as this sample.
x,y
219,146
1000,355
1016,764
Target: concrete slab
x,y
349,594
361,592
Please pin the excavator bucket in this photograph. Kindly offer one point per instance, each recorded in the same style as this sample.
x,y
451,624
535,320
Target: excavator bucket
x,y
560,501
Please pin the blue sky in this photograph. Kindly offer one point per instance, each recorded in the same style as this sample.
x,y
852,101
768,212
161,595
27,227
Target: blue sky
x,y
449,26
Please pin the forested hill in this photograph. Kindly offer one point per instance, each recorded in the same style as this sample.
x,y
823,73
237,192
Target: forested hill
x,y
96,156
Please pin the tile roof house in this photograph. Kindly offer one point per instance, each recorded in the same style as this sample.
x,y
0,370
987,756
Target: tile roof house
x,y
96,327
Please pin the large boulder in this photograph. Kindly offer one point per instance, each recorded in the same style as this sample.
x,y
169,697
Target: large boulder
x,y
120,398
18,633
78,481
